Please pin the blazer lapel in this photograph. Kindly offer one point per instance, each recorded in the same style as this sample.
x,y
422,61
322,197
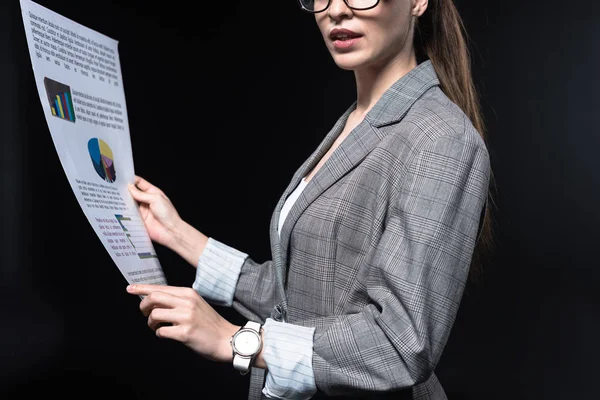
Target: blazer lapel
x,y
308,165
349,153
390,108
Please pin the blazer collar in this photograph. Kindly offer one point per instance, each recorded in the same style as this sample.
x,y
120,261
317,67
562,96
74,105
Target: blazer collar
x,y
397,100
390,108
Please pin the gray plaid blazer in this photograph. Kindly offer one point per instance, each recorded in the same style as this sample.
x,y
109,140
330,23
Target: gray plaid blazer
x,y
375,252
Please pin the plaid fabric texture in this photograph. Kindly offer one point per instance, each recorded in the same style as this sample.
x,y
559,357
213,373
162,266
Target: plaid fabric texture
x,y
375,252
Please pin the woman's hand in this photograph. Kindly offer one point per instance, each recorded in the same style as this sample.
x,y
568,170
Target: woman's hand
x,y
164,224
193,321
159,215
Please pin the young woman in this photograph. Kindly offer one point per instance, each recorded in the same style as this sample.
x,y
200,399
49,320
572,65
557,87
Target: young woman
x,y
374,238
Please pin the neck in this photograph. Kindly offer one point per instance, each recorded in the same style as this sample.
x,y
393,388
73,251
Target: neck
x,y
373,81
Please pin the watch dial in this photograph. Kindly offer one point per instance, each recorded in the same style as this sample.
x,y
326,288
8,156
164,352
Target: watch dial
x,y
246,343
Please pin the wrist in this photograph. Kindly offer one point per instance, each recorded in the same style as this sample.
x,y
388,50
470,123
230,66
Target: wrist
x,y
187,241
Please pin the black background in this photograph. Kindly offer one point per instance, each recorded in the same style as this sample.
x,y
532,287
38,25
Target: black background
x,y
256,92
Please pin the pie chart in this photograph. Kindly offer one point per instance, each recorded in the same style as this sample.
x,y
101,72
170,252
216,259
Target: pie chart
x,y
102,159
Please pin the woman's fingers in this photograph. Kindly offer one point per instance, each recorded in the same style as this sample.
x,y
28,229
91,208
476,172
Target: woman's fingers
x,y
145,186
138,195
159,300
165,305
145,289
168,332
154,300
164,317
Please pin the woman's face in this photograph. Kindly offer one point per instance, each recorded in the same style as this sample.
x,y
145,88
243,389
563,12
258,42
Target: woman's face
x,y
384,33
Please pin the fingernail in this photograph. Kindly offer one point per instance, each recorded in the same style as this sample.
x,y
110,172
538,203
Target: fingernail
x,y
130,288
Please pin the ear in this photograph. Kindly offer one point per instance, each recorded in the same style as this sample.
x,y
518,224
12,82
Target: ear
x,y
419,7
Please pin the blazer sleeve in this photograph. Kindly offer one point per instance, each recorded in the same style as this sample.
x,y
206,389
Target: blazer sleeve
x,y
256,291
228,277
417,273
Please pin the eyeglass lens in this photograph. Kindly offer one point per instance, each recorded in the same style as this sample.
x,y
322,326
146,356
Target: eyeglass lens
x,y
321,5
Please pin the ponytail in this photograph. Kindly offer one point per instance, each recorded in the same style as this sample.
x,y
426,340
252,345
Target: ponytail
x,y
440,36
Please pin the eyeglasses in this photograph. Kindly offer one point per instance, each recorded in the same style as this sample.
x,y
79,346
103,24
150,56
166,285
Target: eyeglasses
x,y
317,6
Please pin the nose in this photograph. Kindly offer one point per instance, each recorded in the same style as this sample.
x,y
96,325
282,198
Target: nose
x,y
338,9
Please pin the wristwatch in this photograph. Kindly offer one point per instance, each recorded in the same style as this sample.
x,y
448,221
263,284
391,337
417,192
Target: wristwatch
x,y
246,344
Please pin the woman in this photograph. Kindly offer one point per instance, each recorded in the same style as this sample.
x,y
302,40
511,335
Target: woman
x,y
372,241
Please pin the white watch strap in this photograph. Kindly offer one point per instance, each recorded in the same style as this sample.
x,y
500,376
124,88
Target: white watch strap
x,y
241,363
253,325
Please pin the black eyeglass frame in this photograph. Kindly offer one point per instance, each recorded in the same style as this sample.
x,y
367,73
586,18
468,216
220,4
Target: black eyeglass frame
x,y
329,3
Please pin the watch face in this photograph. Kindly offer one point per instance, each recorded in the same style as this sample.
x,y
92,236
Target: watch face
x,y
246,343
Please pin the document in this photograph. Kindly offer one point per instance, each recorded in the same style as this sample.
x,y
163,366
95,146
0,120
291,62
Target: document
x,y
78,76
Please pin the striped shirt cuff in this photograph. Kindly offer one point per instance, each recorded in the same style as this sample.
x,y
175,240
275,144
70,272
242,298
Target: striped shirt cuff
x,y
288,351
217,272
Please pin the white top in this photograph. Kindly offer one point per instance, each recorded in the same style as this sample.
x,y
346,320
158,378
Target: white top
x,y
289,202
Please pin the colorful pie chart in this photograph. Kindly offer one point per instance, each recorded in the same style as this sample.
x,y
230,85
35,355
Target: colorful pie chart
x,y
102,158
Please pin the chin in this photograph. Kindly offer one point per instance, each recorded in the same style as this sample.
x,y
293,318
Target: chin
x,y
346,67
347,63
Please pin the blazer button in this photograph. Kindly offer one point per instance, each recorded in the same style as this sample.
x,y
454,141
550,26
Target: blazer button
x,y
277,313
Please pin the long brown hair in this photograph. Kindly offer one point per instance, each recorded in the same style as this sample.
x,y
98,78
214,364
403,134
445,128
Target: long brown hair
x,y
441,37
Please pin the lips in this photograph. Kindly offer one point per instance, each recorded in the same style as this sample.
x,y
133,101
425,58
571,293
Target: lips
x,y
343,34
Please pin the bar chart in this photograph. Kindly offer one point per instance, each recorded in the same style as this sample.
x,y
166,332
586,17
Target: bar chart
x,y
134,230
59,97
